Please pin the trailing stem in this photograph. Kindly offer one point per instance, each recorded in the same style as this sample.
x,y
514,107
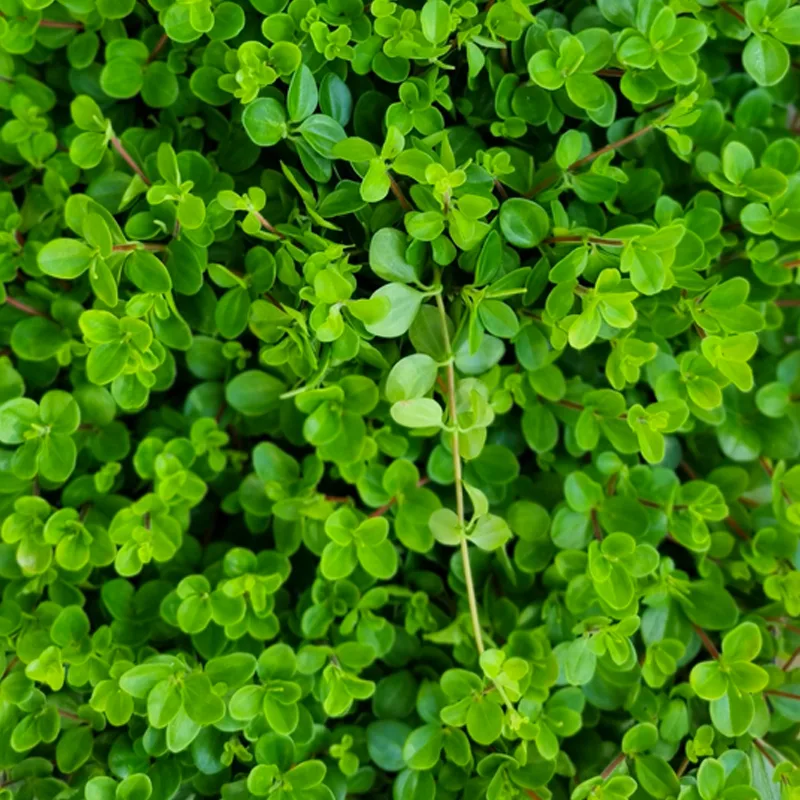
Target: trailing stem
x,y
458,478
458,482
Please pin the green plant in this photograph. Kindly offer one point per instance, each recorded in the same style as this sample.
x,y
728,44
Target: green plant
x,y
399,400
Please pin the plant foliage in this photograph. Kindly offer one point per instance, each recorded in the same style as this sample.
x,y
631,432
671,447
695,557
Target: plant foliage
x,y
399,400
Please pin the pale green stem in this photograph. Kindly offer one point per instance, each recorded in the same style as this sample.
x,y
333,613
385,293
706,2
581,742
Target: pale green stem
x,y
458,479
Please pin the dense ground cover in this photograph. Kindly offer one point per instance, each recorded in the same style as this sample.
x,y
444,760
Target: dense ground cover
x,y
399,400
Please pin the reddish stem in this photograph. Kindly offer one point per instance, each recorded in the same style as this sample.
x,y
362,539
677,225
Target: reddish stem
x,y
788,665
51,23
737,529
787,303
158,48
26,309
606,773
648,503
579,407
609,147
272,300
540,187
379,512
770,472
571,404
126,157
266,224
792,264
598,534
782,621
707,643
682,768
761,745
732,11
11,664
778,693
398,193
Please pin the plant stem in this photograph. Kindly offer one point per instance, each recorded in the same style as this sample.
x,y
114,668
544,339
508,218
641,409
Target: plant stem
x,y
598,533
153,247
631,137
379,512
586,239
457,478
737,529
732,11
591,157
158,48
11,664
762,747
126,157
767,467
682,768
266,224
52,23
24,307
606,773
707,643
788,665
398,193
501,190
778,693
786,303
